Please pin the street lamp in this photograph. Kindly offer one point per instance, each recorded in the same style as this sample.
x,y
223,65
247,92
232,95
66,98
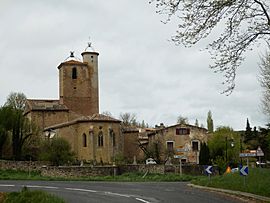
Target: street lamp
x,y
50,133
231,144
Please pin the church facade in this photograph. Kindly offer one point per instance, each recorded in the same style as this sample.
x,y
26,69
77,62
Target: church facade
x,y
75,115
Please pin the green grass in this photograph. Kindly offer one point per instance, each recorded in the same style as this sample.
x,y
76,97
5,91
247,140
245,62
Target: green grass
x,y
132,177
31,197
257,182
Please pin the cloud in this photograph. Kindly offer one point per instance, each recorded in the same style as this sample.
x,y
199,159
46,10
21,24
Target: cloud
x,y
140,70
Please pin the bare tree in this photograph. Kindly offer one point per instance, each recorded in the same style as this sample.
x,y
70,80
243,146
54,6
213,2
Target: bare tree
x,y
128,119
245,22
16,100
265,83
182,120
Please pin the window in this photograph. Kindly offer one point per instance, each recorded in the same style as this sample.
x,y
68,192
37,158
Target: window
x,y
100,139
112,134
170,146
74,73
84,139
182,131
195,145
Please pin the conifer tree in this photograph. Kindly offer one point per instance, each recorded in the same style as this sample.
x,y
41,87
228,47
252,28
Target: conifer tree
x,y
210,124
248,133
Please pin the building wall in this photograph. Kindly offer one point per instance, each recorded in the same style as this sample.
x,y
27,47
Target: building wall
x,y
182,144
90,150
44,119
131,146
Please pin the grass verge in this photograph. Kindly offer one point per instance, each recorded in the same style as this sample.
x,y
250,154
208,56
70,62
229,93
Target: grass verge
x,y
31,197
127,177
257,182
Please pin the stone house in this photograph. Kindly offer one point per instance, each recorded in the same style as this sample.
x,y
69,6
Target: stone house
x,y
179,141
75,115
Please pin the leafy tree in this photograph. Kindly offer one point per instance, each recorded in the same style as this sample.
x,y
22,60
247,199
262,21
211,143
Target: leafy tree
x,y
225,141
57,151
182,120
16,100
245,22
5,126
210,124
204,156
264,141
21,131
15,123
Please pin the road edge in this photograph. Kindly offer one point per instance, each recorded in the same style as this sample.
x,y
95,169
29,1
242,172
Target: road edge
x,y
233,192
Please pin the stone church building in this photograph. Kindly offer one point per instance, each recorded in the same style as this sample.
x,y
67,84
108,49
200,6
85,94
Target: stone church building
x,y
75,115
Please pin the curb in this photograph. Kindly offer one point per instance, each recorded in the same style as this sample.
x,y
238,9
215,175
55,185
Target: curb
x,y
244,194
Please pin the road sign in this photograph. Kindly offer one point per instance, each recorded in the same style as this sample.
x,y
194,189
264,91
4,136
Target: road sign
x,y
209,170
244,171
259,152
181,149
179,157
247,155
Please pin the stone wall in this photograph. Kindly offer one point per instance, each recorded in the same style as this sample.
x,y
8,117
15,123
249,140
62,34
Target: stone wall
x,y
164,169
21,165
77,171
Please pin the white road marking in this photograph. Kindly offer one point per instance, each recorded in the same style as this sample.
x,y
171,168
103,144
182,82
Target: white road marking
x,y
142,200
117,194
2,185
39,186
78,189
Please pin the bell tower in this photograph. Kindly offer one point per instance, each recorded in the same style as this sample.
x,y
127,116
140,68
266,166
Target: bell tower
x,y
78,83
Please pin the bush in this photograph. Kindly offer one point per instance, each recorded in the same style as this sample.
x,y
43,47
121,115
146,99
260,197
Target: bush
x,y
57,151
32,197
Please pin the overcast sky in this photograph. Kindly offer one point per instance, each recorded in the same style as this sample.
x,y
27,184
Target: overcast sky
x,y
140,71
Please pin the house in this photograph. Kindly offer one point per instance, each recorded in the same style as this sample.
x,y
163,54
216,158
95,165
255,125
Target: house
x,y
180,141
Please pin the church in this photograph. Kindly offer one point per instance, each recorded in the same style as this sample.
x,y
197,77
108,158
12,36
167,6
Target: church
x,y
75,115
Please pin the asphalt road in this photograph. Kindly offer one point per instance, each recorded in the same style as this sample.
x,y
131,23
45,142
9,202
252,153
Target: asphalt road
x,y
80,192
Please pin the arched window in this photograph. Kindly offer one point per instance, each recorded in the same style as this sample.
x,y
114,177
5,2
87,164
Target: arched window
x,y
112,134
74,73
100,139
84,139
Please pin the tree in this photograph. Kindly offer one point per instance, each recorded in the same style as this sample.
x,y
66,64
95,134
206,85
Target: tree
x,y
225,143
204,156
16,100
128,119
265,83
248,133
18,125
5,126
196,122
182,120
245,22
21,131
210,124
57,151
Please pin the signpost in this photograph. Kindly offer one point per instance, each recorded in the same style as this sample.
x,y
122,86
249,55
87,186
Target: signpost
x,y
243,172
180,152
259,153
208,170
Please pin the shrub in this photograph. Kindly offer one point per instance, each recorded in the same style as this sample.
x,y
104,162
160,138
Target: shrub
x,y
57,151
